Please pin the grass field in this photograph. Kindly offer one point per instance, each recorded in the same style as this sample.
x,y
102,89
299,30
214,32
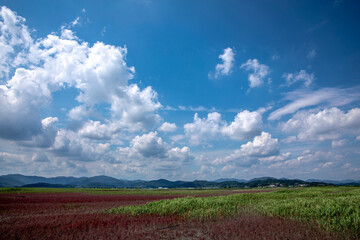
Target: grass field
x,y
281,213
335,209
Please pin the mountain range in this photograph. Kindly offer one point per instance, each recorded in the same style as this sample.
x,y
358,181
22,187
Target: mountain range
x,y
102,181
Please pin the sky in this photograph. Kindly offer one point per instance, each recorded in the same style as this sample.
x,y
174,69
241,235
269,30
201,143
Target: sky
x,y
182,90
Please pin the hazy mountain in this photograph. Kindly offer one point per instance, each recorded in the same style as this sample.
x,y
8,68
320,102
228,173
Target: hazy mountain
x,y
18,180
342,182
229,180
101,180
261,178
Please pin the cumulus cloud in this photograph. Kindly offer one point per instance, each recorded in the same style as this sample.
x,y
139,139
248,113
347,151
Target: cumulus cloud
x,y
149,145
292,78
97,130
262,146
150,152
257,72
99,72
245,125
330,97
101,76
14,34
224,68
167,127
328,124
204,129
136,109
69,144
47,136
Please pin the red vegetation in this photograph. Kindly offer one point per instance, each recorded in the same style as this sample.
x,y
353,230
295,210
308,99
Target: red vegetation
x,y
80,216
16,205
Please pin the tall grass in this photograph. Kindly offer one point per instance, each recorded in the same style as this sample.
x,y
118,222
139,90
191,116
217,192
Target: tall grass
x,y
332,208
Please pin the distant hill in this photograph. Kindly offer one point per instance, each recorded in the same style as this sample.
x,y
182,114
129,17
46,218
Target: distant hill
x,y
229,180
16,180
343,182
261,179
102,181
99,181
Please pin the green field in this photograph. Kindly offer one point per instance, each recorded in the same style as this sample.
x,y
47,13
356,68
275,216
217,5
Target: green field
x,y
335,209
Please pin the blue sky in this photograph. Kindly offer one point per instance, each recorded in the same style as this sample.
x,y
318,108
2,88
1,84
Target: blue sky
x,y
180,89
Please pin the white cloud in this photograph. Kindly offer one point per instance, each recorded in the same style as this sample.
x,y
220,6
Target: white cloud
x,y
300,99
75,22
292,78
328,124
96,130
327,164
177,138
180,154
13,158
167,127
338,143
261,147
99,72
150,145
204,171
307,161
48,121
224,68
193,109
258,72
69,144
79,112
204,129
136,108
14,34
149,153
276,158
245,125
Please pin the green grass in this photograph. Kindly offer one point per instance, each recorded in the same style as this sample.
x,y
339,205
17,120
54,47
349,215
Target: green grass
x,y
332,208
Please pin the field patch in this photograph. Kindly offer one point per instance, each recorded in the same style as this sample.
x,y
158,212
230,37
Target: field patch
x,y
194,214
335,209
